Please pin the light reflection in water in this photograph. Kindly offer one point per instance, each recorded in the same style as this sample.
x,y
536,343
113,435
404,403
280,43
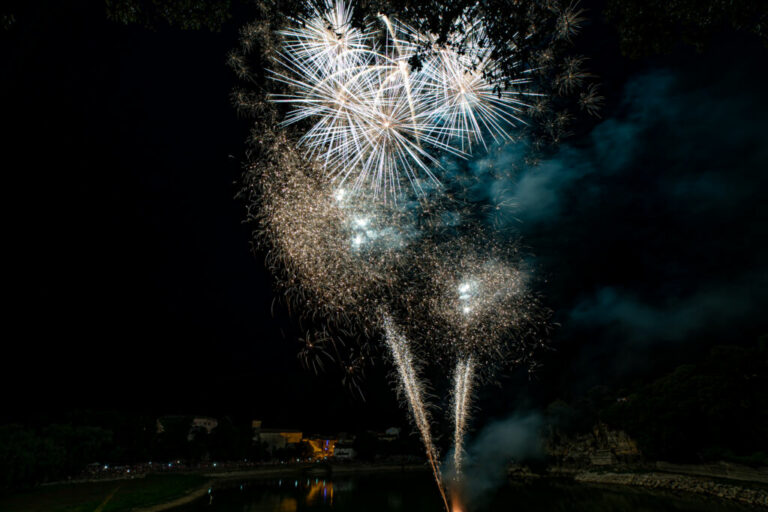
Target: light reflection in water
x,y
288,505
320,492
303,494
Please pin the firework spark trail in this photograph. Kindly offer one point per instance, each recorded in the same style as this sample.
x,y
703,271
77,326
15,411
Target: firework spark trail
x,y
414,394
462,397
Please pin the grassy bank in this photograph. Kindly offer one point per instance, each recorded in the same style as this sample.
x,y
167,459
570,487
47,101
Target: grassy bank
x,y
115,496
145,493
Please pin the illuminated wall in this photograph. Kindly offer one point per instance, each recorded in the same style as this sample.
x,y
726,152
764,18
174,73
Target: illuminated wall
x,y
321,448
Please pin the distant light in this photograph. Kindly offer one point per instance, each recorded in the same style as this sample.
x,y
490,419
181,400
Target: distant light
x,y
106,466
170,464
215,464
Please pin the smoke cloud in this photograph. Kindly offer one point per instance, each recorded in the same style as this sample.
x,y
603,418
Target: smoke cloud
x,y
494,448
651,227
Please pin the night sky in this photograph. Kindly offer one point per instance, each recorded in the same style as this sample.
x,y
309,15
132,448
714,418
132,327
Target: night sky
x,y
130,280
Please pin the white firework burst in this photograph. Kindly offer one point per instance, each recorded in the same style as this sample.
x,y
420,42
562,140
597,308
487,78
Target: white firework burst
x,y
376,122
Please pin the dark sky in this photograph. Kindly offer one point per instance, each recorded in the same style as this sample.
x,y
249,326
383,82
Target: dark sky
x,y
130,283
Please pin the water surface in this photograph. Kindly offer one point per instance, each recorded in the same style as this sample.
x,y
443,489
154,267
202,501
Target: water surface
x,y
415,492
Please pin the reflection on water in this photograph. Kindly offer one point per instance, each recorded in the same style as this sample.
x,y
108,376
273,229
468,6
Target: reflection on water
x,y
320,491
414,492
284,495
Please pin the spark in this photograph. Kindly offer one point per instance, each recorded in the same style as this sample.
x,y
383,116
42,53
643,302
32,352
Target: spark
x,y
569,21
473,299
573,75
336,258
591,101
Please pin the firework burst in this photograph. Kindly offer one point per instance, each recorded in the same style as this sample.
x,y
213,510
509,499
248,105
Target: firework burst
x,y
374,119
337,256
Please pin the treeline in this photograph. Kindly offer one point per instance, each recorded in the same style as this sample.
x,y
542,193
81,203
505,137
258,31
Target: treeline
x,y
29,456
38,451
710,410
52,448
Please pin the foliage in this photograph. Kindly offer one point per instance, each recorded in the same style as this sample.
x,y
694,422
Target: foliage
x,y
714,409
710,410
648,27
51,448
32,456
183,14
7,20
172,441
231,441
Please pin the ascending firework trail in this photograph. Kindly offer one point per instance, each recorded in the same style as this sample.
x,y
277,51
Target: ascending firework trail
x,y
462,396
413,391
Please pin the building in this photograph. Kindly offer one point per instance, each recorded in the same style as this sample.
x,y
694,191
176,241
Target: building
x,y
389,435
344,451
322,446
277,438
193,425
200,424
204,423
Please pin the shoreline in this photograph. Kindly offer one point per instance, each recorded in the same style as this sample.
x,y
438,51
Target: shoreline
x,y
218,478
742,491
331,470
676,482
738,491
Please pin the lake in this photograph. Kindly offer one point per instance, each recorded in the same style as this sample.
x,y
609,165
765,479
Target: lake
x,y
415,492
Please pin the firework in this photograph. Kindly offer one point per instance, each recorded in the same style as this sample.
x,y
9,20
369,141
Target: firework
x,y
463,376
326,39
569,21
374,119
354,112
413,391
573,75
338,254
472,302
